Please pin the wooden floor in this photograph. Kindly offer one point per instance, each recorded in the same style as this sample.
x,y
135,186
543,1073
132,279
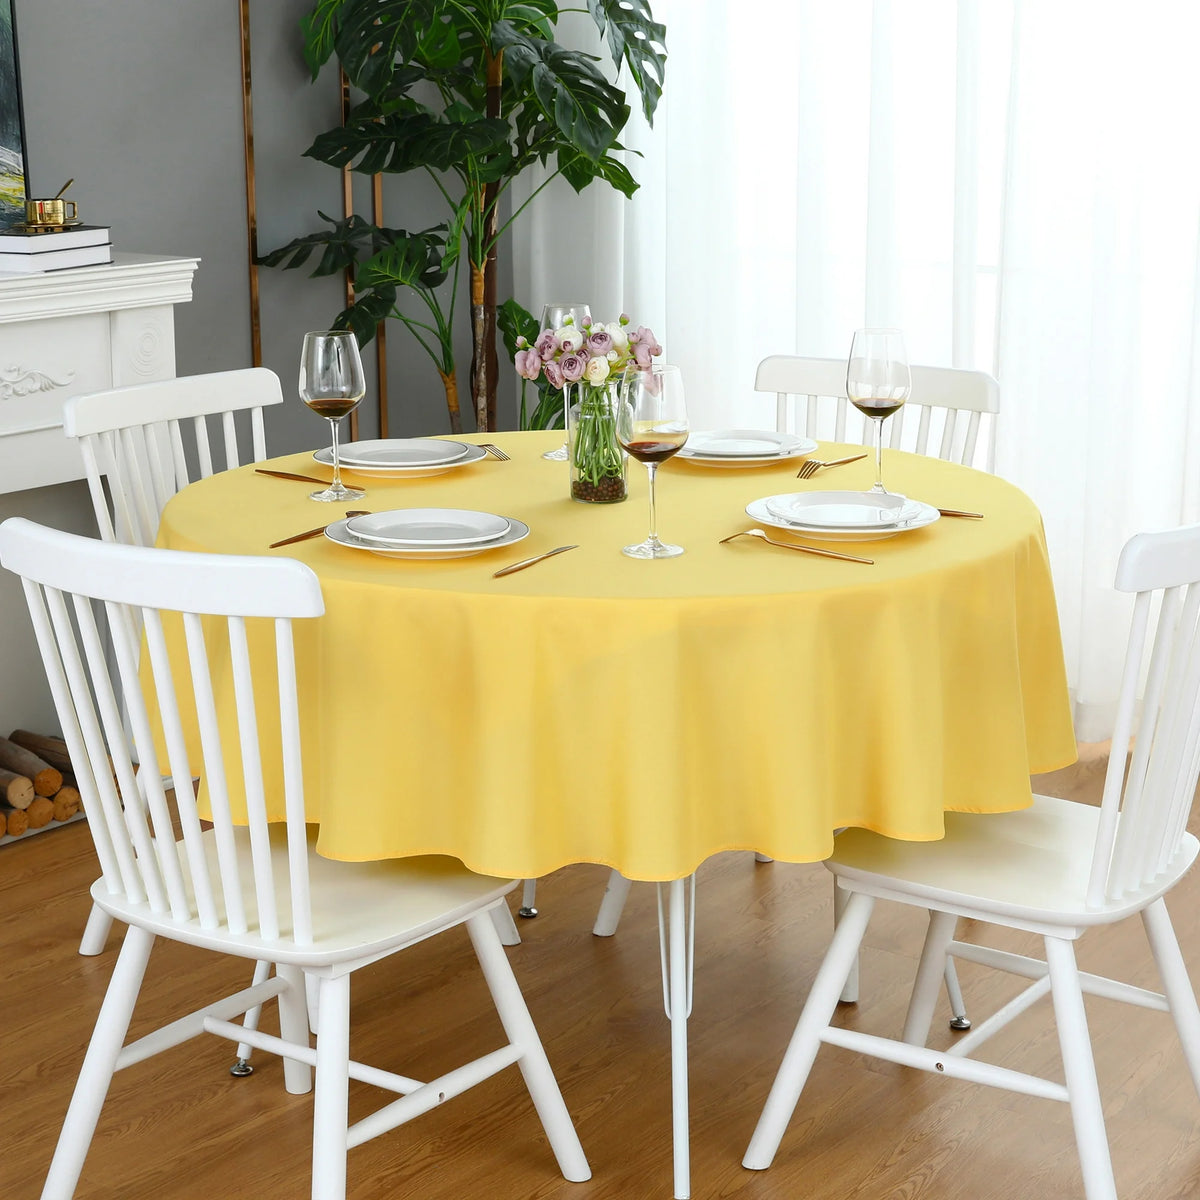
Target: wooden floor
x,y
179,1127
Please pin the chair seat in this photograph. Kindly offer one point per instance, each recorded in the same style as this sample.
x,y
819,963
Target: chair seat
x,y
1031,866
358,909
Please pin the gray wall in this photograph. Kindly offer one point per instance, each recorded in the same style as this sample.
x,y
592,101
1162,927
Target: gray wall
x,y
141,102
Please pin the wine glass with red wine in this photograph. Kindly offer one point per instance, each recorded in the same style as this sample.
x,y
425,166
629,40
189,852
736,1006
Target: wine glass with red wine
x,y
332,384
878,382
652,425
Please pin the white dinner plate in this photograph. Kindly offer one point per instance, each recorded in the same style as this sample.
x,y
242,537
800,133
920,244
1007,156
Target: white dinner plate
x,y
416,471
840,510
429,527
744,447
914,515
337,532
402,452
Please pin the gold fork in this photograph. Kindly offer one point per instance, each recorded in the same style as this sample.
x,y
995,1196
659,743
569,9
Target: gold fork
x,y
758,533
495,451
810,466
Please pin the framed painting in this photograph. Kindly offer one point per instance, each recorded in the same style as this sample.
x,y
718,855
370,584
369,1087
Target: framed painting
x,y
12,125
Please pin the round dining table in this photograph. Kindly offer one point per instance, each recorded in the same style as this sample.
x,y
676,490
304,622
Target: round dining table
x,y
649,714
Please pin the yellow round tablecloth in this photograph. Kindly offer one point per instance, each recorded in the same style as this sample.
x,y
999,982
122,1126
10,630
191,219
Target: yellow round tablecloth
x,y
646,715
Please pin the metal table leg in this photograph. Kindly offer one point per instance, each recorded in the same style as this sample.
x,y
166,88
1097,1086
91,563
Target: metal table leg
x,y
677,939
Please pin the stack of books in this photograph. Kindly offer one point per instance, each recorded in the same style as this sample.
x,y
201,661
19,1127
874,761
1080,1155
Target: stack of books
x,y
26,253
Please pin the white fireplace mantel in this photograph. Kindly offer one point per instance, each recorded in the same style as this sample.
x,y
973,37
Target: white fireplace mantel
x,y
84,330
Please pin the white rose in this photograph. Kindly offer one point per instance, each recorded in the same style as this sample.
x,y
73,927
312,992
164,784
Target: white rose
x,y
619,336
613,356
569,338
596,370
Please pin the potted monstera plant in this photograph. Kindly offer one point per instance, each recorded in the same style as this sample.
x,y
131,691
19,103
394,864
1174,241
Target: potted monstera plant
x,y
472,93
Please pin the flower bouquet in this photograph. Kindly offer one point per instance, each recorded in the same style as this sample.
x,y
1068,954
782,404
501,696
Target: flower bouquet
x,y
589,365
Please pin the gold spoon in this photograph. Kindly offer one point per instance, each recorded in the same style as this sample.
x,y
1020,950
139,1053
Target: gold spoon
x,y
758,533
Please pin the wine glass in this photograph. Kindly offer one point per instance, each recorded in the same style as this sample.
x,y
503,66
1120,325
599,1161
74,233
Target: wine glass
x,y
332,384
554,316
652,425
878,383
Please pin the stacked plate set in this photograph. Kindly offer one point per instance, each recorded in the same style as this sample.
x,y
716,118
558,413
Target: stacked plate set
x,y
843,516
427,533
743,447
402,458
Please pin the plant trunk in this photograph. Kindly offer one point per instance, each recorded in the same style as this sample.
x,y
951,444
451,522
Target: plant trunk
x,y
485,365
450,383
479,357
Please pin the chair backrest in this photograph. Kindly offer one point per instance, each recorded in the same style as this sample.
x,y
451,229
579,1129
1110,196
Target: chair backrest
x,y
1144,818
944,416
69,581
135,436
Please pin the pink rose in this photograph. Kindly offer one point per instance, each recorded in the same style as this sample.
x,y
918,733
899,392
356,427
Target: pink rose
x,y
645,337
546,344
641,355
528,364
599,341
572,367
554,374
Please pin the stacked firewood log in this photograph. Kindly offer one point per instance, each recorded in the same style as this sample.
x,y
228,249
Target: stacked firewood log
x,y
37,785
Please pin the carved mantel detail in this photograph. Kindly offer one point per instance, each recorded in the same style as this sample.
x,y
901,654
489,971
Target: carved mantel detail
x,y
25,381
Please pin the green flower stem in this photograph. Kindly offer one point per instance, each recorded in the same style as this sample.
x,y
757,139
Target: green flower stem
x,y
595,451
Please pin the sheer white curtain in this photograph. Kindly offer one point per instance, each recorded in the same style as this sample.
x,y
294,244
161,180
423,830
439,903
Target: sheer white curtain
x,y
1015,183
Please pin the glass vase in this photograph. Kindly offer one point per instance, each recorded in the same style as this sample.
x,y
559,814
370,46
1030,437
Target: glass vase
x,y
597,462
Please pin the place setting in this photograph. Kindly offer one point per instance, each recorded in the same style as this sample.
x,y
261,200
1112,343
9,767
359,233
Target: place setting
x,y
426,534
878,382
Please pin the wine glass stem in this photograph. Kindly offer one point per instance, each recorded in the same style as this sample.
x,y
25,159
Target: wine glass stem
x,y
336,485
878,423
651,471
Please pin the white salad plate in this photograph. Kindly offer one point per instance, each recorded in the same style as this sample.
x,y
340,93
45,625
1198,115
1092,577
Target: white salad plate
x,y
841,519
392,466
839,510
743,447
429,527
402,452
337,532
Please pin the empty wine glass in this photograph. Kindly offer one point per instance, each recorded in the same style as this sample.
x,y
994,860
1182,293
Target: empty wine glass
x,y
332,384
554,317
878,382
652,425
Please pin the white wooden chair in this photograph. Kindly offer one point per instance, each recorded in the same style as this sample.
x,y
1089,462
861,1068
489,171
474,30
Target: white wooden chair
x,y
256,891
139,438
951,413
1056,870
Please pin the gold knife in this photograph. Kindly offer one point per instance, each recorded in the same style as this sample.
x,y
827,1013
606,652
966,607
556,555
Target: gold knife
x,y
528,562
290,475
958,512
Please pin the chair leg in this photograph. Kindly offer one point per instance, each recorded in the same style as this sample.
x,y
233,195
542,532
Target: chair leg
x,y
1176,984
506,927
1080,1069
930,972
241,1068
95,932
521,1032
96,1074
528,907
612,905
332,1090
293,1027
850,989
959,1021
806,1040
